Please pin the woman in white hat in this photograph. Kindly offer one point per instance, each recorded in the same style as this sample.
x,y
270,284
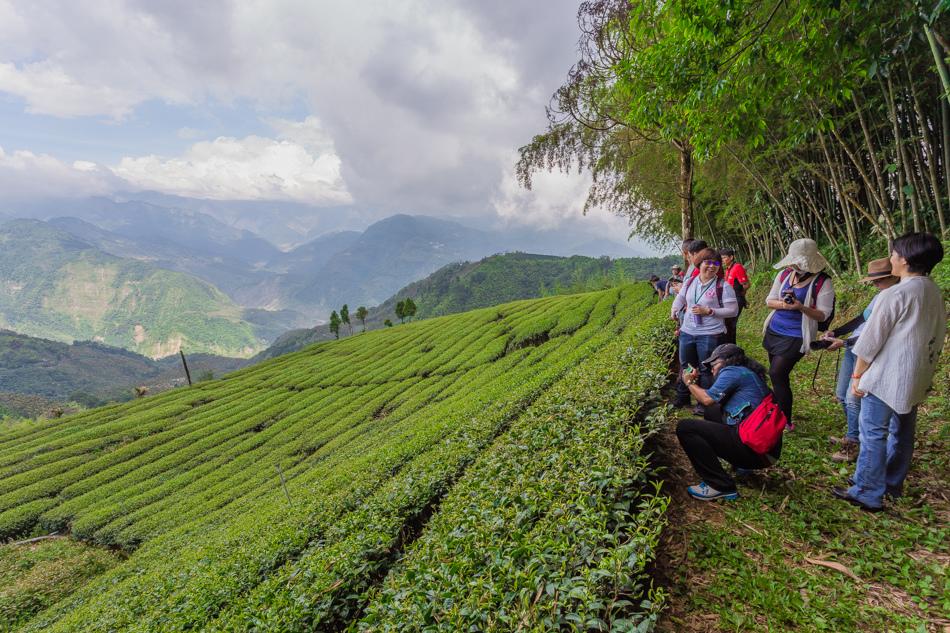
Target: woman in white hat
x,y
801,297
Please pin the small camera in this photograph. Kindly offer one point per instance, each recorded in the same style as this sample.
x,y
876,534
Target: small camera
x,y
788,296
821,344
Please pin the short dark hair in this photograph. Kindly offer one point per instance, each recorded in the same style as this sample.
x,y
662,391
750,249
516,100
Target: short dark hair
x,y
922,251
727,251
710,254
654,279
687,242
739,359
697,245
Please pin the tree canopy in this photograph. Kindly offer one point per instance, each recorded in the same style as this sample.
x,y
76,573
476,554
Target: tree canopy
x,y
752,123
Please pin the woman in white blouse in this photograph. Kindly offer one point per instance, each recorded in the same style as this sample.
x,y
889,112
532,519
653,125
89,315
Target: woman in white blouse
x,y
801,296
897,356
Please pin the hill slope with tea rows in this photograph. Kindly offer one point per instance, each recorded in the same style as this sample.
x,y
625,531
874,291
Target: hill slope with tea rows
x,y
481,471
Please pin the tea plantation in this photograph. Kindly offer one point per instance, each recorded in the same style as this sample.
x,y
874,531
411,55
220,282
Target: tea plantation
x,y
478,472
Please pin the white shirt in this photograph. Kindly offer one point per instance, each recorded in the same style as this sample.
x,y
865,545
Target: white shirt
x,y
697,293
902,340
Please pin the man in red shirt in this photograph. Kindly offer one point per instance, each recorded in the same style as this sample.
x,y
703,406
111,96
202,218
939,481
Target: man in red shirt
x,y
739,280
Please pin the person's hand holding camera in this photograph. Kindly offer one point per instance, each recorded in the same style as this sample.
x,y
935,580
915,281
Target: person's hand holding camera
x,y
690,375
790,301
836,343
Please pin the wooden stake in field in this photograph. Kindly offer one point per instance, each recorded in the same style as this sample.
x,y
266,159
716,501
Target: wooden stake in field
x,y
183,362
284,483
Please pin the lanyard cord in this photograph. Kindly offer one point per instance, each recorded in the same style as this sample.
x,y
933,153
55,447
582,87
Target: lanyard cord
x,y
702,290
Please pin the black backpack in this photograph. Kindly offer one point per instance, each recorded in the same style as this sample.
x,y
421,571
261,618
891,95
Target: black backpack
x,y
818,282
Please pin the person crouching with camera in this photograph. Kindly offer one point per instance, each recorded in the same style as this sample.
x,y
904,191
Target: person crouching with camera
x,y
879,274
739,388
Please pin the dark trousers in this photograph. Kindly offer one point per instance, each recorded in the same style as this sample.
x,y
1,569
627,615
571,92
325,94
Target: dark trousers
x,y
780,373
705,442
730,335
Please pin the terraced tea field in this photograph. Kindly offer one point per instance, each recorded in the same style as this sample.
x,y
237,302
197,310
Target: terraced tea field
x,y
476,472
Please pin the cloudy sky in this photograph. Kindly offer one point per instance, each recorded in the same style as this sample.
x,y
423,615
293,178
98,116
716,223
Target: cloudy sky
x,y
417,106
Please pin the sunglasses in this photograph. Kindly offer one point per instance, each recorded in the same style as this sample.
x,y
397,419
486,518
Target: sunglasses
x,y
710,262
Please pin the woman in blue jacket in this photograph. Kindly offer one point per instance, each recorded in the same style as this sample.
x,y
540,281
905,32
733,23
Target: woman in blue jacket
x,y
740,386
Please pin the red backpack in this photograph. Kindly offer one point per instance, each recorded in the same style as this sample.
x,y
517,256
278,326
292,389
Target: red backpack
x,y
763,428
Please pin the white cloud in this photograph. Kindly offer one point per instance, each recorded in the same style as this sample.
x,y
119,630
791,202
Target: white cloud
x,y
555,198
254,168
24,174
423,99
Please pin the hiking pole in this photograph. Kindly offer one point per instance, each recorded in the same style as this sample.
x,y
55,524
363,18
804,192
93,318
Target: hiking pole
x,y
815,377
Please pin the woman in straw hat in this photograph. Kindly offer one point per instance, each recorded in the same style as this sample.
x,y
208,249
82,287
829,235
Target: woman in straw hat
x,y
879,274
801,297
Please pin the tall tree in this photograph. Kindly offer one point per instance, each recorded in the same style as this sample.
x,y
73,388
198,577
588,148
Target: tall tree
x,y
640,155
345,317
409,308
361,314
335,324
401,311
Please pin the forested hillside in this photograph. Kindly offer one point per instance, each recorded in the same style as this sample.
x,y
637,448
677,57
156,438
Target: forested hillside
x,y
57,286
50,368
494,458
754,123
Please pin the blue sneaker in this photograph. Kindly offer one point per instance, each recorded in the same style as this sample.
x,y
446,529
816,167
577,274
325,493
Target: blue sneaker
x,y
705,493
745,471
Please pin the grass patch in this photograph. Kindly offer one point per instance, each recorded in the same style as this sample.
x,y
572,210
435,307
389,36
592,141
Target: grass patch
x,y
36,575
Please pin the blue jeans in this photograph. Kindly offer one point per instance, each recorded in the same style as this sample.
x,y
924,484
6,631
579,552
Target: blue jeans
x,y
850,404
887,445
694,350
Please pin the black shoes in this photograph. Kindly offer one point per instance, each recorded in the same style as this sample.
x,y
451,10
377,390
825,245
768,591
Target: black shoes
x,y
842,493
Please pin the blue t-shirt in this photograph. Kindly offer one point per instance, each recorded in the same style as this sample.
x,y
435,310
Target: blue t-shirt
x,y
739,390
661,285
789,322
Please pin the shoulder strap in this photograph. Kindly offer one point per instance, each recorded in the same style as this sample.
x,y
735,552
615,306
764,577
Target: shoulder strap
x,y
786,273
719,288
816,288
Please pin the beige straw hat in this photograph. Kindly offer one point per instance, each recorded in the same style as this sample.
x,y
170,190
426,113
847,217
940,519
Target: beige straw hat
x,y
804,254
878,269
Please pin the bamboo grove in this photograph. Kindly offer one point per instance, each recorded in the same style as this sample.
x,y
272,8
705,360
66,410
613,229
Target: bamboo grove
x,y
753,123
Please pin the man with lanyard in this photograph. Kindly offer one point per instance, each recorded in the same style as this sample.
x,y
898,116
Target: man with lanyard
x,y
737,278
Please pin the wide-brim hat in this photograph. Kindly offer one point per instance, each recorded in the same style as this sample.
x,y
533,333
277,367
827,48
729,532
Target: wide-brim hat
x,y
723,351
878,269
804,253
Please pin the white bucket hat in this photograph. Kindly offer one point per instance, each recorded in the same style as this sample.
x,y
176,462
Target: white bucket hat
x,y
804,254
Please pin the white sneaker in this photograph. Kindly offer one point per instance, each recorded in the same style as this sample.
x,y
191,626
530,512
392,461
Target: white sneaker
x,y
705,493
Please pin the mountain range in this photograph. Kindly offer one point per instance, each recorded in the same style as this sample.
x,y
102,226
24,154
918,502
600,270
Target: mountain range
x,y
213,287
58,286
